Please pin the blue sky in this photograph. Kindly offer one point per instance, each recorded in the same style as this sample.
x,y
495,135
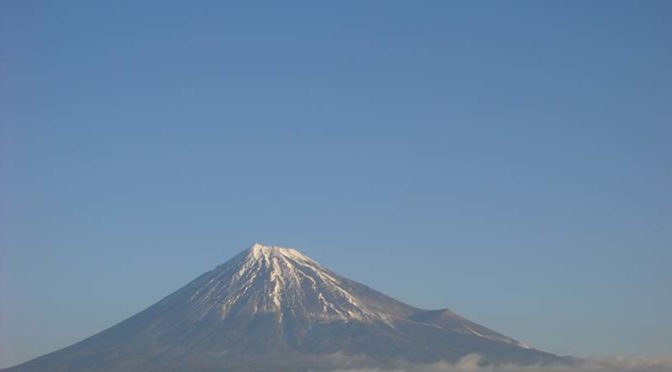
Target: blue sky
x,y
509,160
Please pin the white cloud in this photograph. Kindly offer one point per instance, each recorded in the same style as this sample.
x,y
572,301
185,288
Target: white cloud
x,y
471,364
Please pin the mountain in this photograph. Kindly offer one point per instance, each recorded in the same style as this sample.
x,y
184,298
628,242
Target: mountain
x,y
274,309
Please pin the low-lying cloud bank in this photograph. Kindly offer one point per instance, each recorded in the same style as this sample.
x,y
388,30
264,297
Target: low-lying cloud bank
x,y
471,364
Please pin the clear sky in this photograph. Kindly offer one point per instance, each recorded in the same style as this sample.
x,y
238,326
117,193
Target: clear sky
x,y
509,160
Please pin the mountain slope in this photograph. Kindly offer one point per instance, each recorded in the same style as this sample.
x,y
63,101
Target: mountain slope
x,y
272,308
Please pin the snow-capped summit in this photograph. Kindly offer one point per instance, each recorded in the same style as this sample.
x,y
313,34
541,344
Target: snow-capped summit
x,y
258,250
272,308
280,281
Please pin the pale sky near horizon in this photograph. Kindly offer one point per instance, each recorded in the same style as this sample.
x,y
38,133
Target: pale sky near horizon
x,y
508,160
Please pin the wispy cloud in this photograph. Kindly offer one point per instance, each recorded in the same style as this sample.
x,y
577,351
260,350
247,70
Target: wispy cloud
x,y
471,364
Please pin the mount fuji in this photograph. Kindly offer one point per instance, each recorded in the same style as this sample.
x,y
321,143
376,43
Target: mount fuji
x,y
274,309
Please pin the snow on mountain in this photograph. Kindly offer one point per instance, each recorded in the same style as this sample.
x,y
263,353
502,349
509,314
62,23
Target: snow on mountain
x,y
277,280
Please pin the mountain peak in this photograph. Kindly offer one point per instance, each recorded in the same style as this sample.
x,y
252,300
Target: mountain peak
x,y
263,247
270,255
258,250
